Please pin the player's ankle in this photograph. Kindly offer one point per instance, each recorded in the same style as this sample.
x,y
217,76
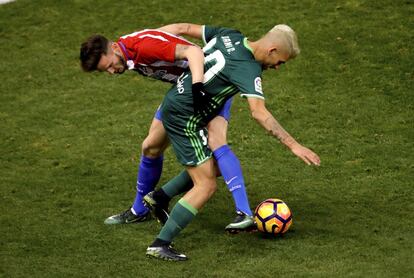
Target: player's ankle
x,y
161,197
159,242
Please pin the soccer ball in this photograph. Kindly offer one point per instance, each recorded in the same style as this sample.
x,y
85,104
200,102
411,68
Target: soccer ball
x,y
273,216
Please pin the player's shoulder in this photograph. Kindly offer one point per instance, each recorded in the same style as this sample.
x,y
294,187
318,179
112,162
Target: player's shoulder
x,y
210,32
146,33
154,35
220,30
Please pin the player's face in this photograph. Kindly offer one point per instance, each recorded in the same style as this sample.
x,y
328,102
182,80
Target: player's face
x,y
113,62
274,59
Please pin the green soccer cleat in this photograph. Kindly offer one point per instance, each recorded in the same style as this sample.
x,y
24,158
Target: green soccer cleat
x,y
127,217
165,252
158,210
242,223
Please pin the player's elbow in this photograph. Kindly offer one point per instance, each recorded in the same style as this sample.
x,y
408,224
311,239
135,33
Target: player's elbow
x,y
196,48
258,110
259,116
195,52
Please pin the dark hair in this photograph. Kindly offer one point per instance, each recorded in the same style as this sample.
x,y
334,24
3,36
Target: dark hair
x,y
91,52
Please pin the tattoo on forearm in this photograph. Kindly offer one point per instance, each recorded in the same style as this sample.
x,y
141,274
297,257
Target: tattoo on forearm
x,y
276,130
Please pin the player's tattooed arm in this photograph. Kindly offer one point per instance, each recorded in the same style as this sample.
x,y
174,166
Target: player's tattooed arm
x,y
267,121
187,29
195,57
276,130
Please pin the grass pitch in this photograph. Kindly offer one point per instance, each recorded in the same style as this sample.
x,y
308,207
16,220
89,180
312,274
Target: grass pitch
x,y
70,143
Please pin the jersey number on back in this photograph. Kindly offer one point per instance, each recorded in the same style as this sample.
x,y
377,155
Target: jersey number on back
x,y
217,57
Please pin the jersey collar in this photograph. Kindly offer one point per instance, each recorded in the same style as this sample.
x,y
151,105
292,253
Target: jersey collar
x,y
130,62
247,45
124,51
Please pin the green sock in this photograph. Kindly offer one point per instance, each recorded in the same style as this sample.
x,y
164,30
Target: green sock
x,y
179,184
180,216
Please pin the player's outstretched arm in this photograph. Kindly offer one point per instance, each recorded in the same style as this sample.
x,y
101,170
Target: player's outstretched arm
x,y
187,29
268,122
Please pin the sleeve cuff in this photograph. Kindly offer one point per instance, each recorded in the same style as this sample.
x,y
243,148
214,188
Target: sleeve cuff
x,y
252,96
203,34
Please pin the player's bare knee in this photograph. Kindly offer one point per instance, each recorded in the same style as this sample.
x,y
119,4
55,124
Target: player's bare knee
x,y
217,133
151,150
216,140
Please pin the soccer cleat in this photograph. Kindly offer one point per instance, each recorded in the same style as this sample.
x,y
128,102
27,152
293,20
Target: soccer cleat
x,y
242,223
165,252
127,217
158,210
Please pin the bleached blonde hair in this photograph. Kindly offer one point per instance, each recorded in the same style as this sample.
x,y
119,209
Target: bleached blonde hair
x,y
287,36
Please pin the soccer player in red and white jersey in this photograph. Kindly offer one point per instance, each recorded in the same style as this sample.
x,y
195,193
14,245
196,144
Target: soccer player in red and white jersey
x,y
165,56
156,54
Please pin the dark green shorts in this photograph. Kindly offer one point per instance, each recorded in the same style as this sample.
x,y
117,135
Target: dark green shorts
x,y
187,132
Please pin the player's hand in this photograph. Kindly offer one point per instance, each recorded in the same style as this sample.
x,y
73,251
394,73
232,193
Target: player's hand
x,y
204,105
308,156
200,98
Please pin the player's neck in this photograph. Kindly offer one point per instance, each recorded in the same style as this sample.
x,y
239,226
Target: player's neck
x,y
117,49
254,46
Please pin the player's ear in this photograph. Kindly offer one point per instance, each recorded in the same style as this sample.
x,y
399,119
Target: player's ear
x,y
114,47
272,50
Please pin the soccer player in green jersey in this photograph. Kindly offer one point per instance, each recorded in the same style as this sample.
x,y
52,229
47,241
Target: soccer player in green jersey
x,y
164,55
233,64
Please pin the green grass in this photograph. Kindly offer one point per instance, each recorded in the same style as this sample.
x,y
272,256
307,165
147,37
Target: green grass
x,y
70,143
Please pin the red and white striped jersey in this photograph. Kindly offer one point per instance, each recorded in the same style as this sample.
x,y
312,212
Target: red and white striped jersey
x,y
151,53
